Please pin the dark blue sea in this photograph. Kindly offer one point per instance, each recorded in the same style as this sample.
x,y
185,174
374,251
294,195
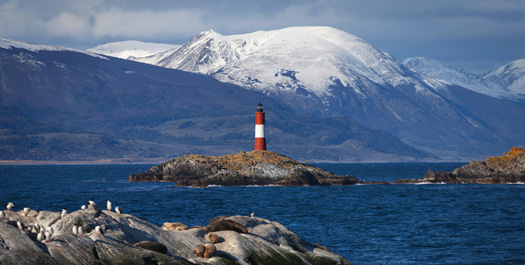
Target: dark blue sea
x,y
366,224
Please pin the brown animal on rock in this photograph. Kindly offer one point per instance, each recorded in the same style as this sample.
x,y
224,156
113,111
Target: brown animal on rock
x,y
153,246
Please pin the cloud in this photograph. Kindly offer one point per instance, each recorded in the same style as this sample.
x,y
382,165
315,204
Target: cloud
x,y
67,24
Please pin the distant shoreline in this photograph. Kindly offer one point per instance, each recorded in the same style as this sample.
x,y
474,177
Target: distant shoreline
x,y
57,162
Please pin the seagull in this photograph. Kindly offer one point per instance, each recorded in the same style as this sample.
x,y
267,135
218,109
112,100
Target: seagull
x,y
26,210
75,230
80,231
48,237
10,206
109,205
63,213
99,230
50,230
118,210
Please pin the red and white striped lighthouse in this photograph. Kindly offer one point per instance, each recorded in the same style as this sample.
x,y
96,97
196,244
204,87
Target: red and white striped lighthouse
x,y
260,141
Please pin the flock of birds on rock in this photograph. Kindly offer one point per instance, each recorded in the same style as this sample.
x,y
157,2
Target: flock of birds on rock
x,y
45,237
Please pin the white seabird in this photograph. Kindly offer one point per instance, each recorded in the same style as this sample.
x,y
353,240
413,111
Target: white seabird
x,y
48,236
2,215
75,230
10,206
99,230
50,230
63,213
80,231
37,227
39,236
20,226
83,207
118,210
109,205
26,210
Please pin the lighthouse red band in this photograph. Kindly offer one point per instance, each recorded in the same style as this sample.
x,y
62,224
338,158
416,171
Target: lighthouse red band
x,y
260,141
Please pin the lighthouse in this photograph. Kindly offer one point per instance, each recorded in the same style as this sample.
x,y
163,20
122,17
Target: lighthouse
x,y
260,141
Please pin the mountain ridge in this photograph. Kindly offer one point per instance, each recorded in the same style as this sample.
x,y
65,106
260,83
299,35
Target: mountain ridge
x,y
329,73
139,112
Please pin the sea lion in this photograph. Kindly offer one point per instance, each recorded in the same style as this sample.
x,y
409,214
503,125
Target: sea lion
x,y
175,226
220,224
205,251
153,246
213,238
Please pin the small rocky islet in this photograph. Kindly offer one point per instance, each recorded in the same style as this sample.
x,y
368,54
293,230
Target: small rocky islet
x,y
245,168
96,236
270,168
506,169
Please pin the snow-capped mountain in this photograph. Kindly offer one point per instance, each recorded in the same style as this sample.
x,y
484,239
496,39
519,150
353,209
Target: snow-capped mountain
x,y
304,59
132,49
10,44
329,72
498,86
510,77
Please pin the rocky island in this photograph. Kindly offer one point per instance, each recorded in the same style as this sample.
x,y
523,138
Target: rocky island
x,y
506,169
245,168
95,236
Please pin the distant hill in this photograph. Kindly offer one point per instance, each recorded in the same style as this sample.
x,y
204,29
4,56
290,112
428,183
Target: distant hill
x,y
63,104
131,49
506,82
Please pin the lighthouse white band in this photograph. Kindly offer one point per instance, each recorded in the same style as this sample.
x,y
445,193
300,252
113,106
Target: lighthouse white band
x,y
259,130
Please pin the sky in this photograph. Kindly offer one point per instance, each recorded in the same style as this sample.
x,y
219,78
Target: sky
x,y
476,35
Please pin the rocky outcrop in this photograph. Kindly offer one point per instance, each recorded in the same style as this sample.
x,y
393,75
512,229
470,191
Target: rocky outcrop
x,y
508,168
126,239
252,168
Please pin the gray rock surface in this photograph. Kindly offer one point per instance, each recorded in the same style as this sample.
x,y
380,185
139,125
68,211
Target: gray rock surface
x,y
265,242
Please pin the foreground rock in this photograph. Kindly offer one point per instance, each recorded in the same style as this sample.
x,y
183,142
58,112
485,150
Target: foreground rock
x,y
252,168
126,239
506,169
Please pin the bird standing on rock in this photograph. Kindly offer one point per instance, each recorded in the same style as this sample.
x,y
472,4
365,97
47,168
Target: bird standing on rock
x,y
80,231
109,205
20,226
26,211
99,230
118,210
10,206
63,213
40,236
2,216
47,236
75,230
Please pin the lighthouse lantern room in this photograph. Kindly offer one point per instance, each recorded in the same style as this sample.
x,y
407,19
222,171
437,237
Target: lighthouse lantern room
x,y
260,141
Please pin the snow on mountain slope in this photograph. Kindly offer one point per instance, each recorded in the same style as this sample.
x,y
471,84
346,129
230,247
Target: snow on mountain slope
x,y
9,44
460,77
132,49
305,59
329,72
510,77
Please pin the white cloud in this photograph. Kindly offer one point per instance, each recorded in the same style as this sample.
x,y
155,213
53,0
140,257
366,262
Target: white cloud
x,y
141,24
67,24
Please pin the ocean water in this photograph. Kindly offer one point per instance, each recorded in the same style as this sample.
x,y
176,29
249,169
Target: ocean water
x,y
366,224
